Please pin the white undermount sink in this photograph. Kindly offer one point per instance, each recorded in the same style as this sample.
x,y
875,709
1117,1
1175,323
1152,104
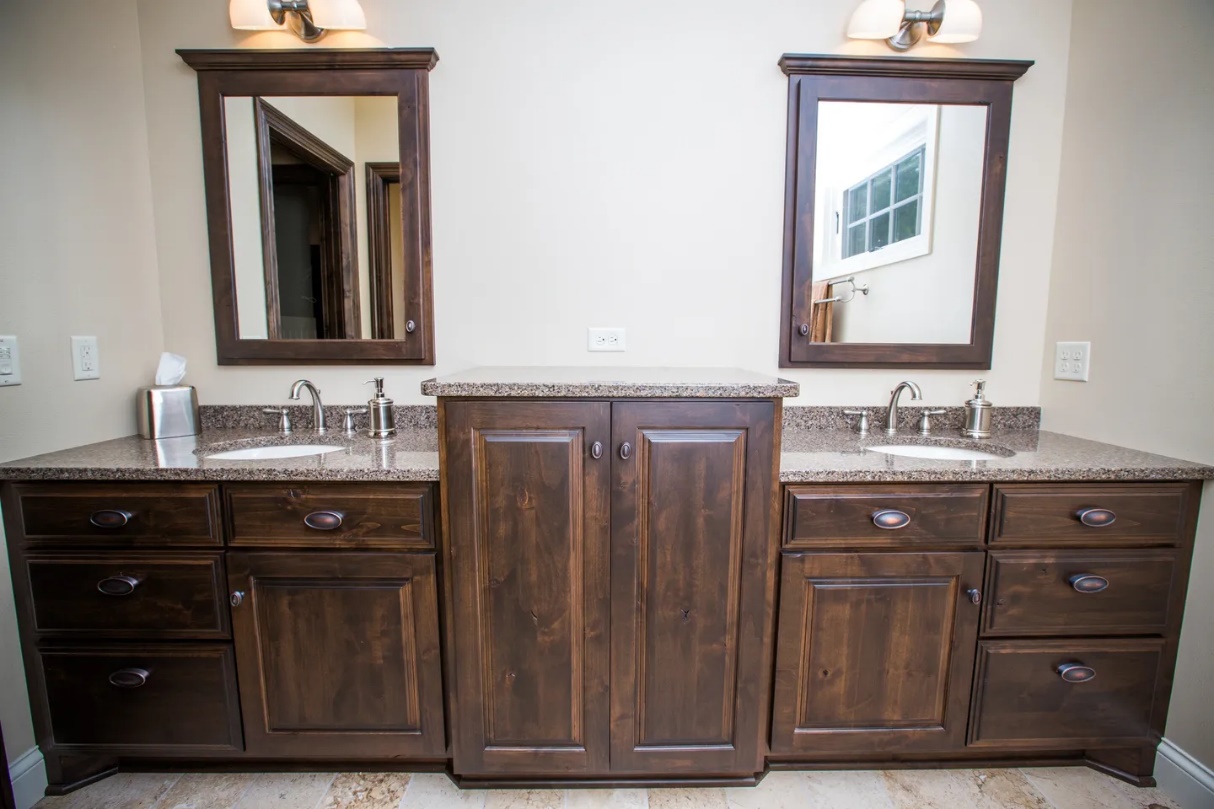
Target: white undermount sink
x,y
937,453
269,453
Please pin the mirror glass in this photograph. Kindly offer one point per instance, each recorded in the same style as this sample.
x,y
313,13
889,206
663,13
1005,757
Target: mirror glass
x,y
898,201
314,190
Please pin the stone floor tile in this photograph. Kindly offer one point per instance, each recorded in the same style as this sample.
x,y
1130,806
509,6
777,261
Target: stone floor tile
x,y
688,798
126,790
525,799
974,789
1084,788
848,789
366,790
606,799
778,790
207,791
288,790
429,790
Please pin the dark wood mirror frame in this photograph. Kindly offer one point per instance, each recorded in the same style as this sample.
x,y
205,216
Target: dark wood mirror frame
x,y
814,78
400,72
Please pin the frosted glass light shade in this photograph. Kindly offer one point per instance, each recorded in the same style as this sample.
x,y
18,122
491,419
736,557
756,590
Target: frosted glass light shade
x,y
251,15
962,22
876,19
338,15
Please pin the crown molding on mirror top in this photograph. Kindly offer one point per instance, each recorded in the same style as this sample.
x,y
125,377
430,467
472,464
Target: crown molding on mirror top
x,y
310,58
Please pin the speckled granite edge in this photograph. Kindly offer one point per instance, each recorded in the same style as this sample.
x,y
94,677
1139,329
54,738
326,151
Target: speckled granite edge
x,y
831,417
251,417
585,390
974,471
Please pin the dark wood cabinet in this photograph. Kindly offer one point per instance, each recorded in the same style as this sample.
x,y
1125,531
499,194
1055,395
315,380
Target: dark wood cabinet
x,y
875,652
669,502
338,654
691,513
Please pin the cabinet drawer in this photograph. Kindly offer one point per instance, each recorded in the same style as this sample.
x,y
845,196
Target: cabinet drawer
x,y
134,595
147,698
1021,699
139,514
1079,592
1100,514
397,515
832,516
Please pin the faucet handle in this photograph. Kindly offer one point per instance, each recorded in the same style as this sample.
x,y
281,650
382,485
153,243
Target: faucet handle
x,y
925,423
348,422
862,427
284,418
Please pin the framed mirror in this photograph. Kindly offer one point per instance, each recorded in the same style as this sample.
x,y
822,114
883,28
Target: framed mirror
x,y
894,187
316,167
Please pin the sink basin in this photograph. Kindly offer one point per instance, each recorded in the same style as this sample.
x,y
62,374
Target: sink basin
x,y
937,453
268,453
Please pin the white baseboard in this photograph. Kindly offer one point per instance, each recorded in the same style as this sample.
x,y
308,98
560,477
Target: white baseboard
x,y
28,774
1183,777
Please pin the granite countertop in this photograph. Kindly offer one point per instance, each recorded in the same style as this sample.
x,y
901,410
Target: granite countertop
x,y
579,382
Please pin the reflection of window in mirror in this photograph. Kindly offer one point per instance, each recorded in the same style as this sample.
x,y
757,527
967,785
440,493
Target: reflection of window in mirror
x,y
878,186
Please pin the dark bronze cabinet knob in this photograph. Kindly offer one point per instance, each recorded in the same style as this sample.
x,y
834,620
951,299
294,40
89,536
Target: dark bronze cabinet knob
x,y
596,450
625,450
117,585
237,598
891,518
803,329
975,596
111,518
323,520
1097,517
129,678
1087,583
1076,673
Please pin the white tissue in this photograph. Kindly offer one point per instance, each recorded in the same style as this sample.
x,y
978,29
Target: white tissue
x,y
171,369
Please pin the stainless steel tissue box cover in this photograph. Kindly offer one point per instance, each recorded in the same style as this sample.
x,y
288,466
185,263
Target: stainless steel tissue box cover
x,y
167,411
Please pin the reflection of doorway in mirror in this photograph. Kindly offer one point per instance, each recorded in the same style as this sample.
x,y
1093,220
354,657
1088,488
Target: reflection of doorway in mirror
x,y
900,188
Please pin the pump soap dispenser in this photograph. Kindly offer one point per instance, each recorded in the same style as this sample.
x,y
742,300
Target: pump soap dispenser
x,y
383,421
978,413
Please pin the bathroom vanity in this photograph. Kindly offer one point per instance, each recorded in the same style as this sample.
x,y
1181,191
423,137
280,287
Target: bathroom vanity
x,y
589,577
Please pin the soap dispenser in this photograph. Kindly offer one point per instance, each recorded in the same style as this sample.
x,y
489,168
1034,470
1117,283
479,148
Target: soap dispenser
x,y
978,413
383,421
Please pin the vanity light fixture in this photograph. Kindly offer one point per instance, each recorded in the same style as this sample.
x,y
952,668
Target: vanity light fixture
x,y
949,21
307,19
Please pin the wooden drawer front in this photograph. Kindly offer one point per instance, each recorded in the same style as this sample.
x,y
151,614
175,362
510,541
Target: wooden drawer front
x,y
1078,592
390,515
187,699
1145,513
1022,701
147,595
833,516
139,514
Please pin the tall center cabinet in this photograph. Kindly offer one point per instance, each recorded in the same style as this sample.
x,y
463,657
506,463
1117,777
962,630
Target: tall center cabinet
x,y
610,579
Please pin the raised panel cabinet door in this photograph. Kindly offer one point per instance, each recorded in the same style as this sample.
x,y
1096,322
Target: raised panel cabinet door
x,y
526,523
692,556
875,652
337,654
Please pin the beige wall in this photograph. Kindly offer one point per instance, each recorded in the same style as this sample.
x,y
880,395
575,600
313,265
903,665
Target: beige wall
x,y
618,165
76,247
1132,272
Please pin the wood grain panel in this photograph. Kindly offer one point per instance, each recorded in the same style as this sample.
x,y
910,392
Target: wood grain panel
x,y
526,519
690,535
338,654
875,651
1021,702
1030,592
1146,513
941,514
159,513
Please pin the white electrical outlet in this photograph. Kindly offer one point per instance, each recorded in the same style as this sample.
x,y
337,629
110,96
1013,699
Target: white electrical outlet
x,y
1072,361
86,358
605,339
10,361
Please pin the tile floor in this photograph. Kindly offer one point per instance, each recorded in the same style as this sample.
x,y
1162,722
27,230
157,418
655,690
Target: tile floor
x,y
1061,788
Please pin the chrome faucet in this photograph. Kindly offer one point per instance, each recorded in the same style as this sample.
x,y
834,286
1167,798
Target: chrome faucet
x,y
891,415
318,410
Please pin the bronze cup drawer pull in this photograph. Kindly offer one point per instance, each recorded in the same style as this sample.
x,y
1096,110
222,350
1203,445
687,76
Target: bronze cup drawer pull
x,y
1097,517
117,585
891,518
1076,673
324,520
111,518
1088,583
129,678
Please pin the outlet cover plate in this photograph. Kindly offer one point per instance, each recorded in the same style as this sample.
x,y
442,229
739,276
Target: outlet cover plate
x,y
605,339
10,361
86,358
1072,361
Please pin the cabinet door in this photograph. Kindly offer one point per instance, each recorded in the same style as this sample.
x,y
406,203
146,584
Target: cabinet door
x,y
875,652
692,550
337,654
527,525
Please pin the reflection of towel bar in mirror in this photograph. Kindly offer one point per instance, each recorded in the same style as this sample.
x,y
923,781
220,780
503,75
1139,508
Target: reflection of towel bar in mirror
x,y
839,298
